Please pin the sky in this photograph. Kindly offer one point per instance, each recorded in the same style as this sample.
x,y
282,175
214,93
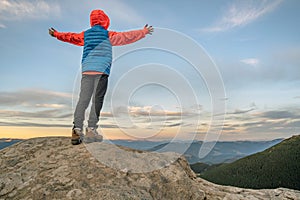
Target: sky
x,y
248,54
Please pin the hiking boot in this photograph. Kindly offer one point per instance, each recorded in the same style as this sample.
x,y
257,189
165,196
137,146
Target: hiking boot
x,y
91,135
77,136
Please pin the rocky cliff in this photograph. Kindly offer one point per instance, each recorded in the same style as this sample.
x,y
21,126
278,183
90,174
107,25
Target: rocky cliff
x,y
51,168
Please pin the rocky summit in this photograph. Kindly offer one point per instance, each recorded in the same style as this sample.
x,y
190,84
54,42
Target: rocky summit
x,y
51,168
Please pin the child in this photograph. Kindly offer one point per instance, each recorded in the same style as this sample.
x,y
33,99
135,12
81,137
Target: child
x,y
96,63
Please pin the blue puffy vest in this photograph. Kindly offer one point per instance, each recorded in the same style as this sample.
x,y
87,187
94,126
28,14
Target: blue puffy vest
x,y
97,51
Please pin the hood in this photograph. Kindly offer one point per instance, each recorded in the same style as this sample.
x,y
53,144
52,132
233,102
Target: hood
x,y
98,17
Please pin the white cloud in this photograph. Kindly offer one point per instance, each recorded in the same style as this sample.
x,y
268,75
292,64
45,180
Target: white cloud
x,y
34,97
11,10
50,105
14,115
242,13
251,61
151,111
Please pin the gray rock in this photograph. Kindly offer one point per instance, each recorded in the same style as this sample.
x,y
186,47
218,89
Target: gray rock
x,y
75,193
51,168
9,182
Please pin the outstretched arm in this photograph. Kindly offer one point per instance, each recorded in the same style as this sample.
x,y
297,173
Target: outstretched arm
x,y
123,38
73,38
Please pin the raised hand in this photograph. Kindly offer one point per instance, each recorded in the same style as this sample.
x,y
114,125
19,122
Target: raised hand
x,y
150,29
52,31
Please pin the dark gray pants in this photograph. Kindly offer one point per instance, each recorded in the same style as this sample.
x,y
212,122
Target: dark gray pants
x,y
91,86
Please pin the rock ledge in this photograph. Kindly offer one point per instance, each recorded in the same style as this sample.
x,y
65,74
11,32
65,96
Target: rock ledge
x,y
51,168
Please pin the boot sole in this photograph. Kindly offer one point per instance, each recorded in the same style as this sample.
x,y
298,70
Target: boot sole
x,y
88,140
91,140
76,141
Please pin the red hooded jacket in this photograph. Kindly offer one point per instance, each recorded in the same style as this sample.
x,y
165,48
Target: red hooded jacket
x,y
98,17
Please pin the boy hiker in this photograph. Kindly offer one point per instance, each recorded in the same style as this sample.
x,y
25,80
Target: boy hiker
x,y
96,62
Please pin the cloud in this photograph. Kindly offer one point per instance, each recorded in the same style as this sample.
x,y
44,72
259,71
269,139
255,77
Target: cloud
x,y
251,61
46,114
106,114
282,122
242,13
259,124
31,124
35,107
109,126
45,118
11,10
256,125
238,111
270,126
35,98
149,111
224,99
294,124
174,125
279,115
229,129
50,105
142,111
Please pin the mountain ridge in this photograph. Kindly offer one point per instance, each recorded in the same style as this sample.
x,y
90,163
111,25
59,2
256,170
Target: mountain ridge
x,y
277,166
51,168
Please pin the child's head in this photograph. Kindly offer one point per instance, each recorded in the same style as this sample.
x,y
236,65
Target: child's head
x,y
98,17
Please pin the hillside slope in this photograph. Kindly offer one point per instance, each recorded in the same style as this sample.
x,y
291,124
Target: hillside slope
x,y
278,166
51,168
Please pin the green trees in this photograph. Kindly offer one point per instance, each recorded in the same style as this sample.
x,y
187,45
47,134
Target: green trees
x,y
278,166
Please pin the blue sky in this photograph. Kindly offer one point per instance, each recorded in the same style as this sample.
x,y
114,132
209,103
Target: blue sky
x,y
255,45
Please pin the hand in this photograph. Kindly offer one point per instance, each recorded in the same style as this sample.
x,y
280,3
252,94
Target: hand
x,y
150,29
52,31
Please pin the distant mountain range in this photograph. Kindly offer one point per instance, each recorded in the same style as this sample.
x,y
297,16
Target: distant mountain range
x,y
221,152
5,142
278,166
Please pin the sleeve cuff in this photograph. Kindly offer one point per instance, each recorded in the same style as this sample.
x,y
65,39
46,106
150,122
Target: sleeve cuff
x,y
55,34
145,31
